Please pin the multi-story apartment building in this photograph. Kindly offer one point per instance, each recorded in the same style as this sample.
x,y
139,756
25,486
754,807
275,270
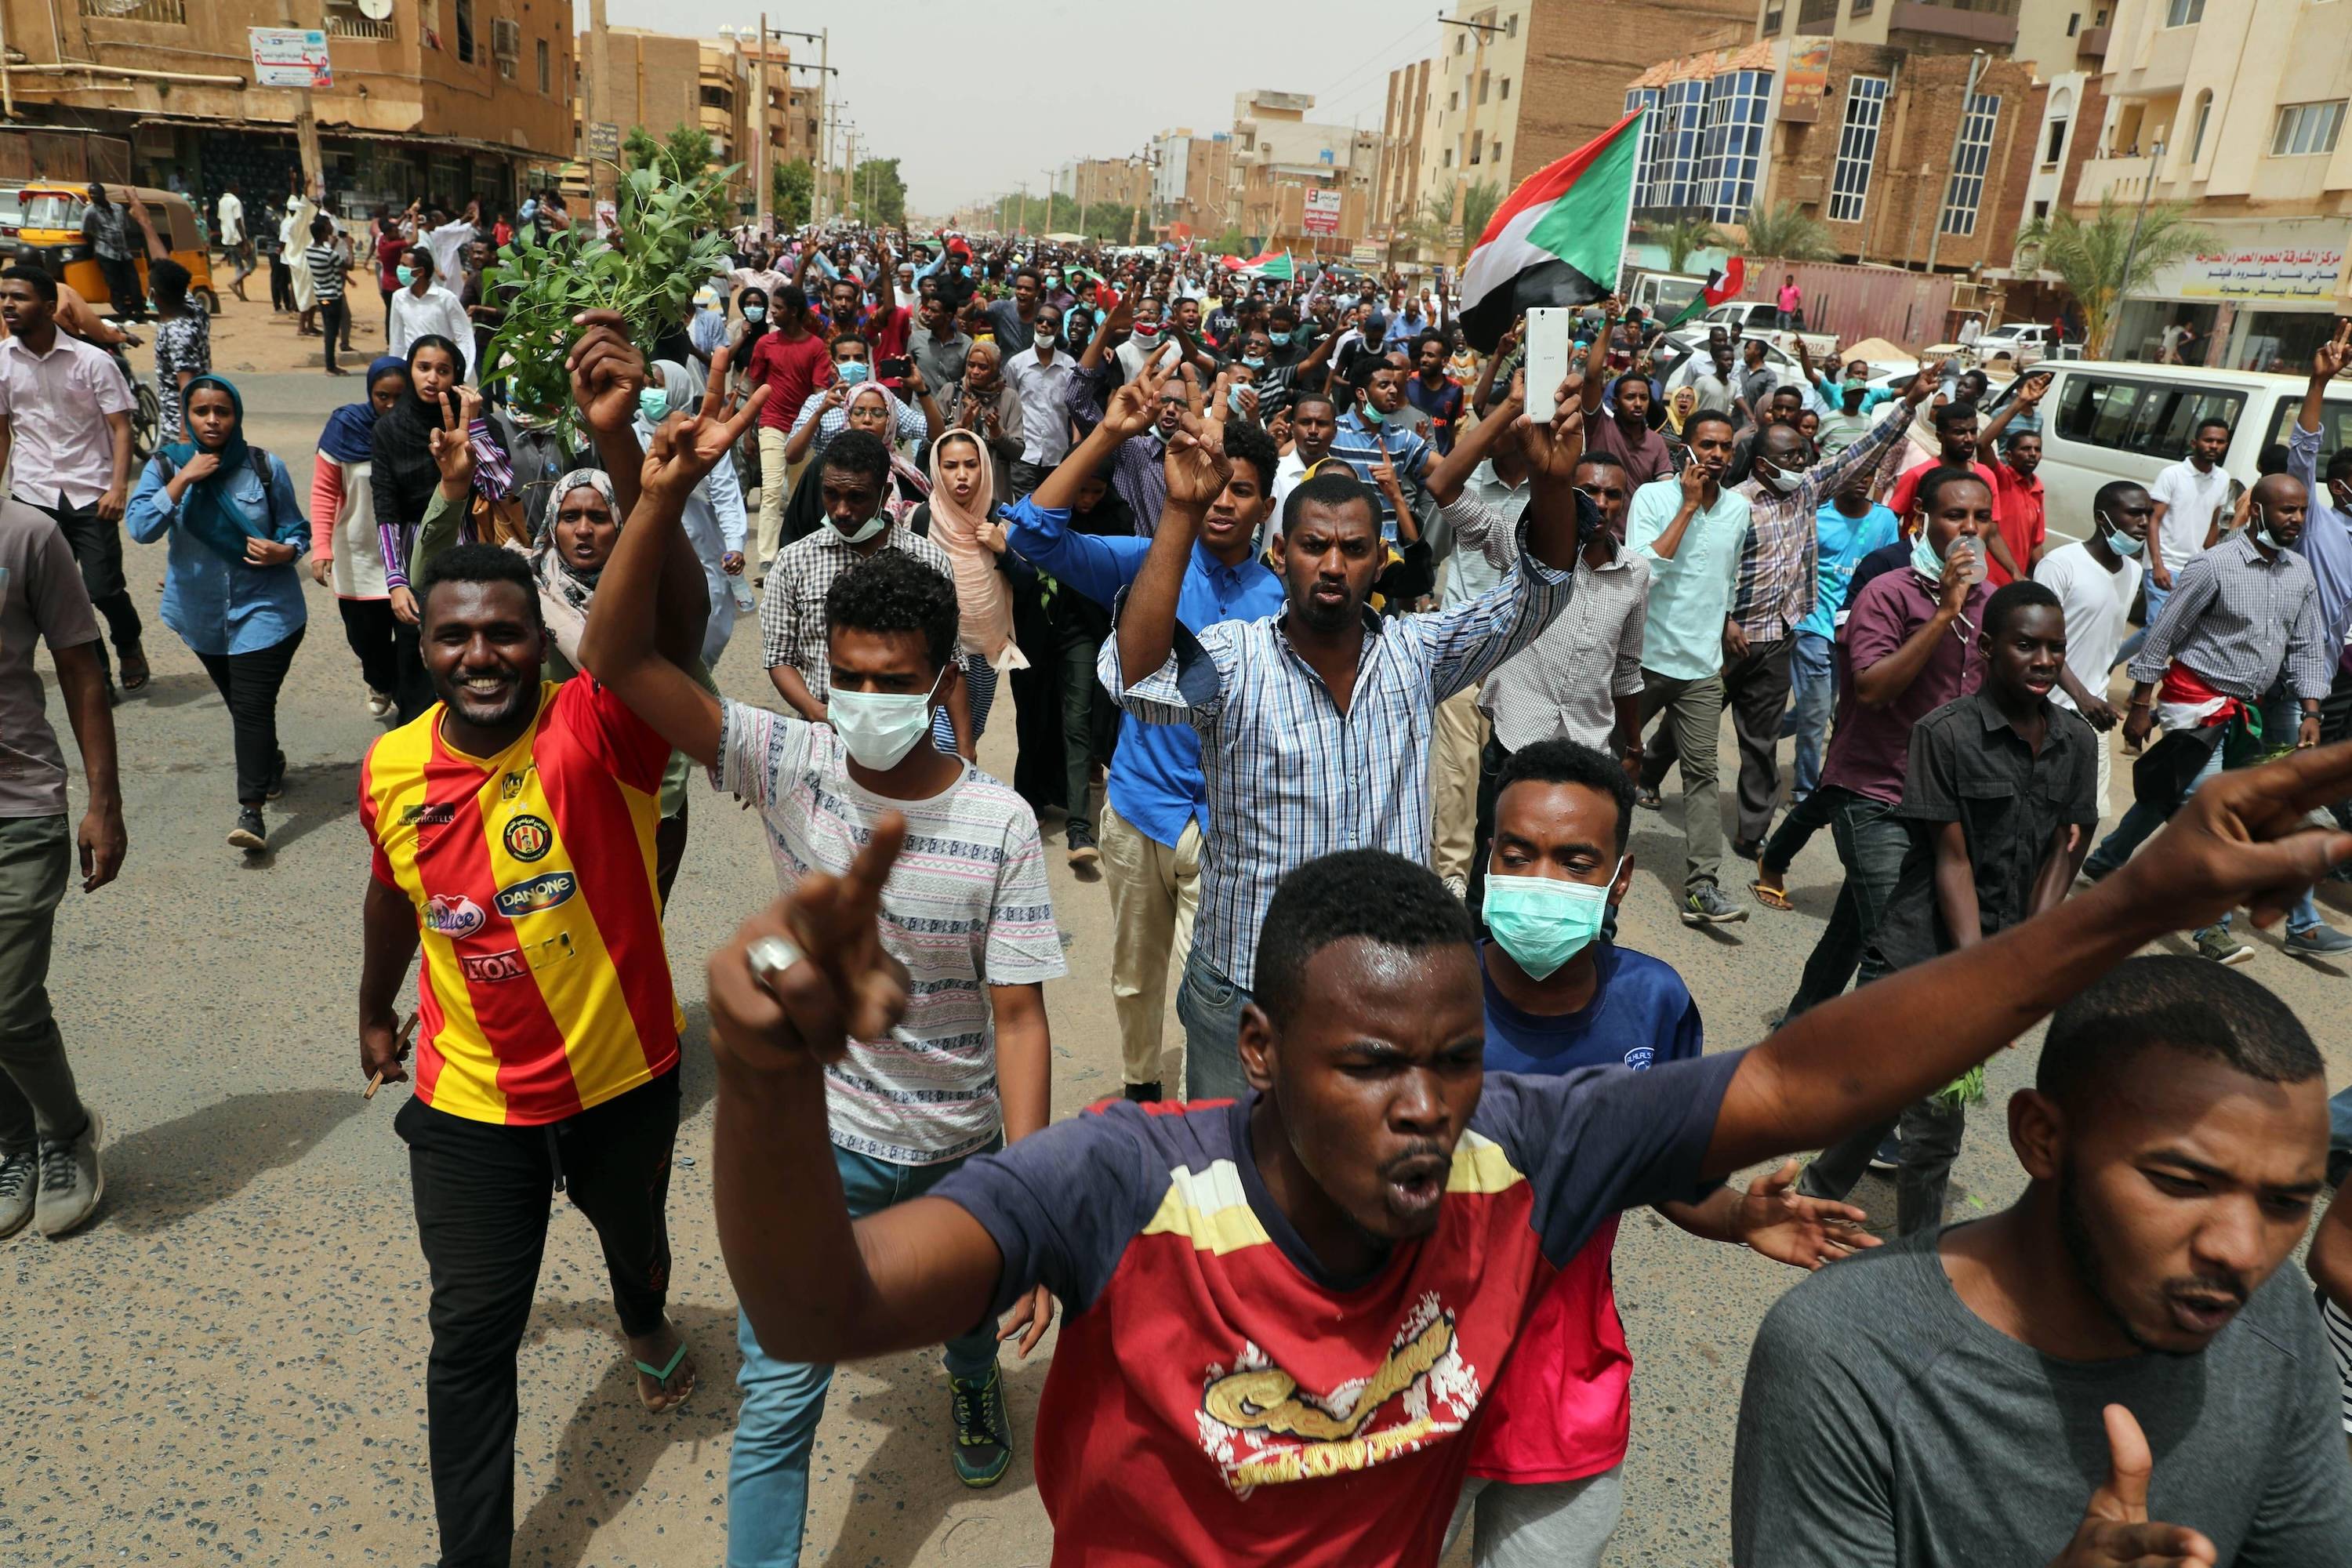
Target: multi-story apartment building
x,y
1297,181
2235,109
1191,183
444,99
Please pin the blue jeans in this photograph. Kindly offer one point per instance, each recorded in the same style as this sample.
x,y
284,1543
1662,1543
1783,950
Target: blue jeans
x,y
2155,597
767,1476
2140,823
1812,682
1210,1007
2339,1121
979,676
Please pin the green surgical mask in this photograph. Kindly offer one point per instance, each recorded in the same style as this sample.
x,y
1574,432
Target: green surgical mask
x,y
653,402
1544,921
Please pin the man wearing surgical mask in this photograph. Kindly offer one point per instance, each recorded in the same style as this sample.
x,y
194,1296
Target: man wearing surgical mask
x,y
851,476
2095,580
1561,997
1041,376
967,1068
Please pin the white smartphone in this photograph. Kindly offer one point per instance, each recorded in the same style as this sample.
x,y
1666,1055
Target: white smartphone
x,y
1546,365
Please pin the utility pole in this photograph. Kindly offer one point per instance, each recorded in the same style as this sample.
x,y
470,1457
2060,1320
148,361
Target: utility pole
x,y
1952,164
761,200
305,125
603,179
1023,226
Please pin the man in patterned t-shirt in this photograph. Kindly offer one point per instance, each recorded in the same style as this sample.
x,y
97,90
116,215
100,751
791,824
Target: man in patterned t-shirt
x,y
967,914
1284,1312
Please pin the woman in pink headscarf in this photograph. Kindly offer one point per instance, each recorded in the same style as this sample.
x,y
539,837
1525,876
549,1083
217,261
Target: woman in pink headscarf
x,y
963,523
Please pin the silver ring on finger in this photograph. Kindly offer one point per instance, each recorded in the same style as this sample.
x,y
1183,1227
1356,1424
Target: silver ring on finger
x,y
769,957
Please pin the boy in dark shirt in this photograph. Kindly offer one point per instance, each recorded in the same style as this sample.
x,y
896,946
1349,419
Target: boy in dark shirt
x,y
1998,782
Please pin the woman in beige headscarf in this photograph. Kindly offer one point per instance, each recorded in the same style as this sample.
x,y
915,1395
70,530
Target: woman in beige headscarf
x,y
963,523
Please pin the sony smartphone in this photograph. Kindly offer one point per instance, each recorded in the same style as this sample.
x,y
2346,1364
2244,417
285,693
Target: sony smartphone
x,y
1547,339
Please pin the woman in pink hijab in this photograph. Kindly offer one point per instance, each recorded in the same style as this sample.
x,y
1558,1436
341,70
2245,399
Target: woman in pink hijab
x,y
963,523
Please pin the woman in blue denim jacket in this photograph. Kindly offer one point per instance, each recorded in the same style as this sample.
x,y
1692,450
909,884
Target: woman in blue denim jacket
x,y
232,592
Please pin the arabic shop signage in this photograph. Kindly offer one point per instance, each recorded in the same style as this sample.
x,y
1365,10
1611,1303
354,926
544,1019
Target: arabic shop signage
x,y
2288,264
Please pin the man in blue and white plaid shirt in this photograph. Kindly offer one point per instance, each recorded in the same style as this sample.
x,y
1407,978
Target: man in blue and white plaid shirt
x,y
1315,724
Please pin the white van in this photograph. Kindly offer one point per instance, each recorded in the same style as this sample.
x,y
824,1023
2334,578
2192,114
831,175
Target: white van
x,y
2103,421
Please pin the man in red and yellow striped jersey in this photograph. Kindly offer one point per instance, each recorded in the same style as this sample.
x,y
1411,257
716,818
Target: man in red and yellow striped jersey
x,y
513,832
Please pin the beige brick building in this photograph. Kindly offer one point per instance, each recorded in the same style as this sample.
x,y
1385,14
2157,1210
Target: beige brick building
x,y
1191,183
445,99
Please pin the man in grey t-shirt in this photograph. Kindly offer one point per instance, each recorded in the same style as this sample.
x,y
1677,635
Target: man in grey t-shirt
x,y
1994,1394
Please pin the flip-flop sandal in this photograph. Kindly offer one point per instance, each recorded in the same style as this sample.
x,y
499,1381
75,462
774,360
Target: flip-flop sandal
x,y
135,672
1770,898
661,1376
1649,799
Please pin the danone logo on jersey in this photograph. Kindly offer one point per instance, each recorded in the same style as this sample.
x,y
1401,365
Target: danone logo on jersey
x,y
539,893
1262,1429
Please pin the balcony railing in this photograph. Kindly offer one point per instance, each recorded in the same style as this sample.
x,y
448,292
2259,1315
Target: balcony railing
x,y
352,25
172,12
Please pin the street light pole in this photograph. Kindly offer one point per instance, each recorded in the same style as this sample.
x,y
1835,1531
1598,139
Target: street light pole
x,y
2131,249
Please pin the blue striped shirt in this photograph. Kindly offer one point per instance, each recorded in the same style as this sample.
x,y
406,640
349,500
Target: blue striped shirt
x,y
1289,777
1359,446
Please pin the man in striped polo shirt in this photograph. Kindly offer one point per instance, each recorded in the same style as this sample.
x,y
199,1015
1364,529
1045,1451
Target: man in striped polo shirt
x,y
328,262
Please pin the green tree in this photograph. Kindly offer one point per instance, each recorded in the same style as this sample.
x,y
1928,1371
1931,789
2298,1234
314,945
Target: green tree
x,y
2091,256
639,150
1785,234
1233,242
878,193
1479,200
1681,237
791,190
686,151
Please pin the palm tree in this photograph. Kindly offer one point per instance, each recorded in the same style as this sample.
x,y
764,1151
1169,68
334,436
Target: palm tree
x,y
1479,201
2092,257
1786,234
1681,237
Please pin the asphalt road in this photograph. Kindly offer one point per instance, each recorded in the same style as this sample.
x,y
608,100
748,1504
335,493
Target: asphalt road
x,y
227,1366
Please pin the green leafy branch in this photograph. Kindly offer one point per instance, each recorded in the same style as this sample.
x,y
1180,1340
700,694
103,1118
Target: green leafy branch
x,y
661,251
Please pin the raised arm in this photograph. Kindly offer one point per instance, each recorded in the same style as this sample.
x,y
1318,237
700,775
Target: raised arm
x,y
1596,369
624,646
1197,469
1454,470
2241,839
1878,684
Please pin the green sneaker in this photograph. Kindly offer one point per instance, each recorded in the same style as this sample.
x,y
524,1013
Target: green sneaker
x,y
983,1450
2216,943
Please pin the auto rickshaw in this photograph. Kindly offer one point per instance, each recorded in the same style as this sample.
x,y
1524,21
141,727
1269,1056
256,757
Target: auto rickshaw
x,y
52,211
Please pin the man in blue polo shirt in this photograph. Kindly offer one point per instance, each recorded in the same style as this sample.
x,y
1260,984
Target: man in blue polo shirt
x,y
1155,805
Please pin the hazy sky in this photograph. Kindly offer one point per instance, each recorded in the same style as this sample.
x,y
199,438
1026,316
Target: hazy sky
x,y
973,98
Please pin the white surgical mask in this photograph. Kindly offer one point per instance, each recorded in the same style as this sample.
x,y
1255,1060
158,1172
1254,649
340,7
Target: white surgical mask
x,y
878,728
1779,478
866,530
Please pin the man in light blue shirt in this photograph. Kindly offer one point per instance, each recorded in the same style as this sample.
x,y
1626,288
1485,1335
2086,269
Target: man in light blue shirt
x,y
1849,526
1156,803
1690,530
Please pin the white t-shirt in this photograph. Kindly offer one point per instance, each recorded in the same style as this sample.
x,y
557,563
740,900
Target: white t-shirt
x,y
2098,607
1287,476
232,220
966,908
2190,499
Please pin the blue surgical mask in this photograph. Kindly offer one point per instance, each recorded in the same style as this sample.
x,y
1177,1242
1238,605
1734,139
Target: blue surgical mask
x,y
866,530
1256,361
851,370
1279,340
1234,400
1370,414
653,402
878,728
1925,561
2268,540
406,275
755,312
2122,543
1544,921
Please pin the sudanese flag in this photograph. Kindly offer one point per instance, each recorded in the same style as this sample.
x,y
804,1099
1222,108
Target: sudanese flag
x,y
1558,240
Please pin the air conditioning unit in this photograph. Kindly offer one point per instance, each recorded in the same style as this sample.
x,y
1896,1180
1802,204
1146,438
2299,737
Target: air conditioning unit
x,y
506,38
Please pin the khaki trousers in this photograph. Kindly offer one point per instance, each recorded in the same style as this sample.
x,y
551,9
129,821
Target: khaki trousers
x,y
1461,736
775,487
1154,892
